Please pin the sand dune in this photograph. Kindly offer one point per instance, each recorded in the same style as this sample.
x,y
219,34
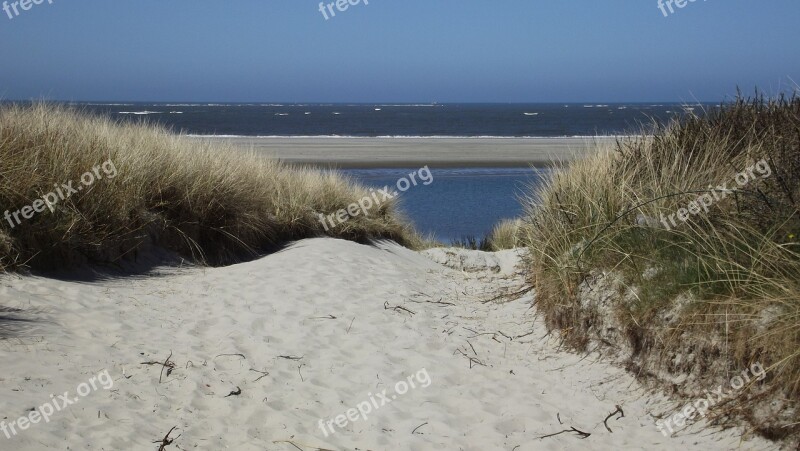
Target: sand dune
x,y
306,334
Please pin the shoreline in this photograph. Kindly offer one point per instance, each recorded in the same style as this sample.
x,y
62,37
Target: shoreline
x,y
438,152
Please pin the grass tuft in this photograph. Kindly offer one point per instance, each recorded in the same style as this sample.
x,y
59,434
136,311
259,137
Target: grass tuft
x,y
505,235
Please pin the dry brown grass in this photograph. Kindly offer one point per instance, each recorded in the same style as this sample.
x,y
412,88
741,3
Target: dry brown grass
x,y
204,201
739,263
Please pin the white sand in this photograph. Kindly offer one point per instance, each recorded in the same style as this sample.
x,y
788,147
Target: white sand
x,y
280,306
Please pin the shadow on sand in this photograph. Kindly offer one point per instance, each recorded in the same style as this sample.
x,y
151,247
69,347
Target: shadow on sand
x,y
14,322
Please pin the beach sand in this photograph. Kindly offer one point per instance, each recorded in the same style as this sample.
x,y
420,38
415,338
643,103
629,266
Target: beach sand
x,y
304,335
418,152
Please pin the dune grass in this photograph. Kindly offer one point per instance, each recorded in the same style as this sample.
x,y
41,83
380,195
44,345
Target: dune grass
x,y
705,298
505,235
208,202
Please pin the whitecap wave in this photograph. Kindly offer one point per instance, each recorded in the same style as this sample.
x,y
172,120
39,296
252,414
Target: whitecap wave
x,y
414,105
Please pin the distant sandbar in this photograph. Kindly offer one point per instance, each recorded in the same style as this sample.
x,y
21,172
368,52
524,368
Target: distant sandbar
x,y
413,152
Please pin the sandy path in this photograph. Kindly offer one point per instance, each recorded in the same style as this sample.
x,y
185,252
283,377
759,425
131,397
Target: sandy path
x,y
313,321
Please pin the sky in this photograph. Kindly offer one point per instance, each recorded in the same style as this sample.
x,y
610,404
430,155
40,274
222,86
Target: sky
x,y
445,51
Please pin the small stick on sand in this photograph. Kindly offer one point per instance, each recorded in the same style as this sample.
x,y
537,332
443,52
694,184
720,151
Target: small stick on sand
x,y
472,360
165,364
581,434
237,392
263,374
439,302
511,296
166,441
290,357
287,441
525,335
169,371
396,308
238,355
301,449
415,429
618,411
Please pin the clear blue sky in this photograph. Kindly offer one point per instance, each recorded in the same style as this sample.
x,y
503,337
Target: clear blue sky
x,y
398,50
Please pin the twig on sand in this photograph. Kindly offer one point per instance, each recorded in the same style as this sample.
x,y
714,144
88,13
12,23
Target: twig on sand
x,y
351,325
289,442
415,429
290,357
166,441
236,392
324,317
238,355
493,334
301,449
439,302
618,411
396,308
511,296
558,416
472,360
581,434
166,364
263,374
525,335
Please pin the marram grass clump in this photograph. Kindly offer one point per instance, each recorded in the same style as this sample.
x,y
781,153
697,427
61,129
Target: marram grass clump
x,y
208,202
505,235
712,291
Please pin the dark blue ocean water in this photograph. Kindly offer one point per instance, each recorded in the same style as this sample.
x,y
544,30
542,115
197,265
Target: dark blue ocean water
x,y
460,202
507,120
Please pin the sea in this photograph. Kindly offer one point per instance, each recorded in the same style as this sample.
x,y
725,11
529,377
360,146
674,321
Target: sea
x,y
461,202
